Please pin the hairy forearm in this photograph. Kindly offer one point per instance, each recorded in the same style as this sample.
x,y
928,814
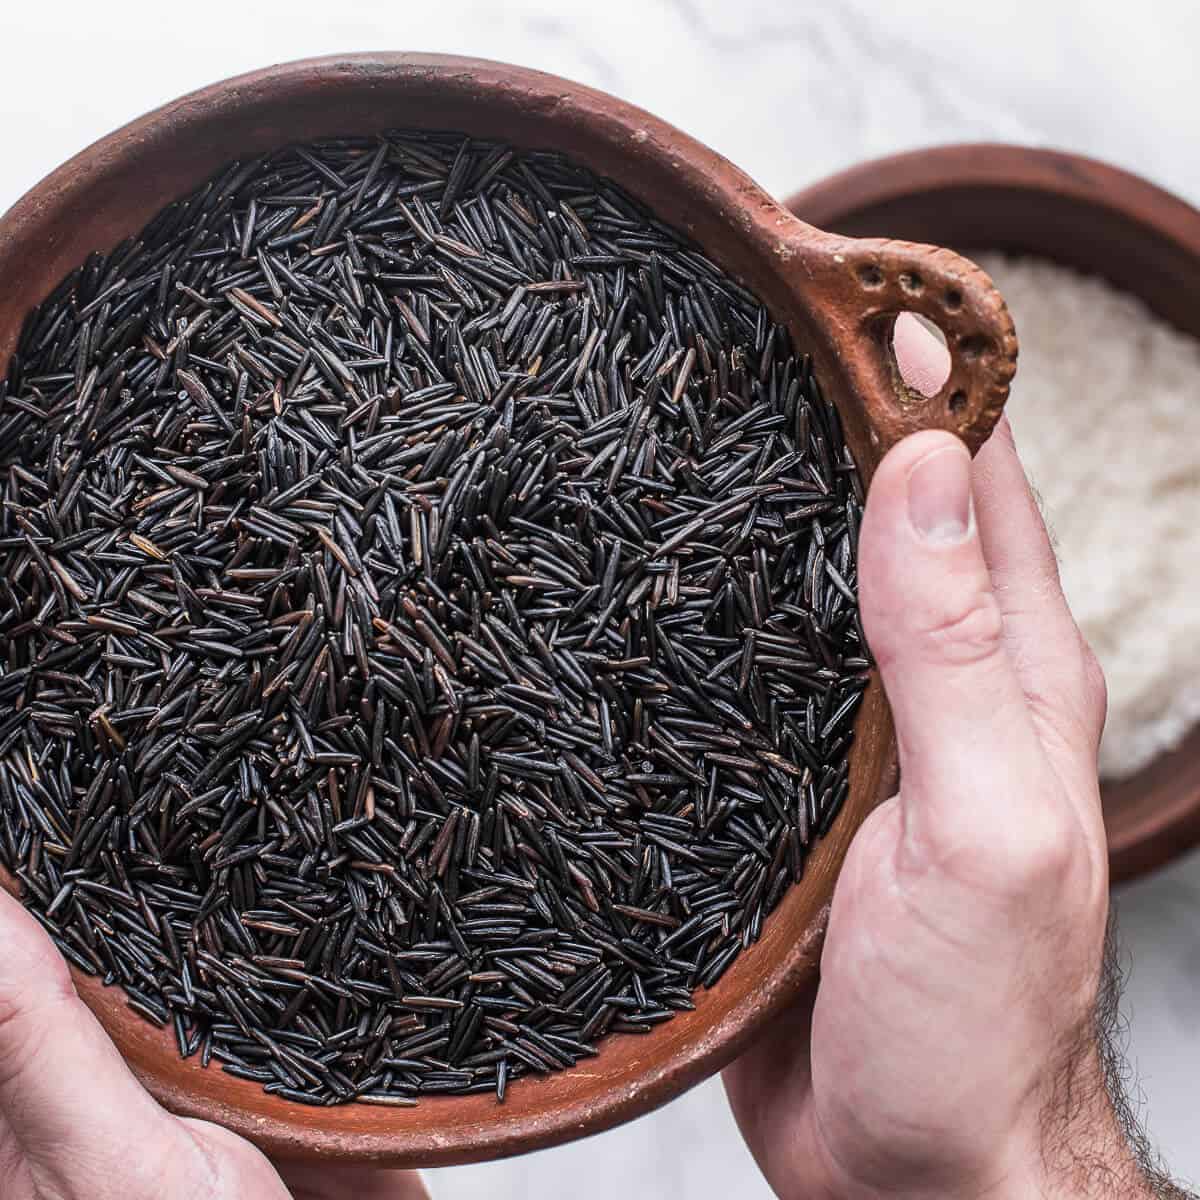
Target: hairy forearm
x,y
1118,1165
1093,1143
1105,1156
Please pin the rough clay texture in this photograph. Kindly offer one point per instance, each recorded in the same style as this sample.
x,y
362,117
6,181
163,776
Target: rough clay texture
x,y
1106,409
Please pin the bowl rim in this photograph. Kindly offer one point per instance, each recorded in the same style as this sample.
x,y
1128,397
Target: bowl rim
x,y
986,166
775,972
1154,820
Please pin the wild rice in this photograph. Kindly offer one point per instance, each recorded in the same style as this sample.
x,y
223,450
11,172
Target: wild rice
x,y
427,594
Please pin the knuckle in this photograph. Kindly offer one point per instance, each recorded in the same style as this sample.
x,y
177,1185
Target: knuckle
x,y
1047,854
1017,865
964,631
1052,859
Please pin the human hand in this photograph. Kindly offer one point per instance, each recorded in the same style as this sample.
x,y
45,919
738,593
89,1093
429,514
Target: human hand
x,y
76,1125
954,1048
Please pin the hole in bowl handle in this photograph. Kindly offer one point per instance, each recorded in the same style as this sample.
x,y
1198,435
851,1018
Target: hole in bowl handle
x,y
868,284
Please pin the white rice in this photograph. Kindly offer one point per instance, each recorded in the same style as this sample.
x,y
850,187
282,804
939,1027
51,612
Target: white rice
x,y
1106,411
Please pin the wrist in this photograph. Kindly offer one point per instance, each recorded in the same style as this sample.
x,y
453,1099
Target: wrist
x,y
1078,1153
1083,1147
1081,1155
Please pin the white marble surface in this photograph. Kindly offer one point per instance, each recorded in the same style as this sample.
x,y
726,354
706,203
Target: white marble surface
x,y
790,90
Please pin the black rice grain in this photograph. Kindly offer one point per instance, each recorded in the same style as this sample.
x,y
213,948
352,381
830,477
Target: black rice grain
x,y
427,617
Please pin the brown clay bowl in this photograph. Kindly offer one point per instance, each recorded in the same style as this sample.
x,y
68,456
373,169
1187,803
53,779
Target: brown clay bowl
x,y
838,295
1096,218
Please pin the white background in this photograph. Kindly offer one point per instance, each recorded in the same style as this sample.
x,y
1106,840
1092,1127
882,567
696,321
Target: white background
x,y
790,90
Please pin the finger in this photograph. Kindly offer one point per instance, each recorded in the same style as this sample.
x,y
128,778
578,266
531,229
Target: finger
x,y
937,633
1043,639
771,1083
70,1102
1059,676
311,1182
1058,673
924,361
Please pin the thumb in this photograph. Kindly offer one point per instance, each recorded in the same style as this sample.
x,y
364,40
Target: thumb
x,y
968,747
71,1103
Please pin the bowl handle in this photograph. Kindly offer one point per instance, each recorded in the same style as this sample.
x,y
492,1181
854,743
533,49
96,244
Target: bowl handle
x,y
865,283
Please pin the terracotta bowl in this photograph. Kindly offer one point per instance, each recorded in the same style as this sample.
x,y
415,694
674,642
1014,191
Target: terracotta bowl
x,y
839,297
1096,218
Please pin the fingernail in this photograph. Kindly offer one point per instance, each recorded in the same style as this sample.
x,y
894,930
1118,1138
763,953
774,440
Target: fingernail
x,y
939,495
